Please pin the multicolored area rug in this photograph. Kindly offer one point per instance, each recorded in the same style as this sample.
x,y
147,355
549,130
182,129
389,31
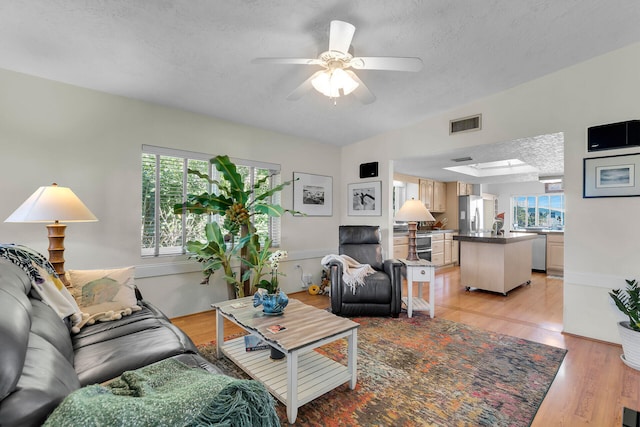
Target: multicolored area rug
x,y
423,371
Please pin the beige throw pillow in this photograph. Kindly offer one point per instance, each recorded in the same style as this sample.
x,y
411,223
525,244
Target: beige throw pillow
x,y
104,295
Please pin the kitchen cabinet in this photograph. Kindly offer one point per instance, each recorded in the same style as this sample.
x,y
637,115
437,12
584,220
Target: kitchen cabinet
x,y
464,189
495,263
432,193
426,192
400,246
437,249
439,196
448,248
555,254
455,252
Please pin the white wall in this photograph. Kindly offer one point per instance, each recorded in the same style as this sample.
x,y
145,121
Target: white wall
x,y
602,235
91,142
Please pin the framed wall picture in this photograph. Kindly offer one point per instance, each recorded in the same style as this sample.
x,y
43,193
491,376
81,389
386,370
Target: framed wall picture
x,y
611,176
363,198
313,194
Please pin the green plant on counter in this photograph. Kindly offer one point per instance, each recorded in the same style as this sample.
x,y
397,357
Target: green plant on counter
x,y
237,205
628,302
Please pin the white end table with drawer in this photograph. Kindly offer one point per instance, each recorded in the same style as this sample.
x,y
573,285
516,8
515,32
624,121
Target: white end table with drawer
x,y
420,271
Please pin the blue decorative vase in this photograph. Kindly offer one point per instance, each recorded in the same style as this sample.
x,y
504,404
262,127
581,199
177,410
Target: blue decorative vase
x,y
272,304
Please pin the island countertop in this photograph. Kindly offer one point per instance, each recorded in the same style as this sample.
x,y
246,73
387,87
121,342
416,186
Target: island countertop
x,y
508,237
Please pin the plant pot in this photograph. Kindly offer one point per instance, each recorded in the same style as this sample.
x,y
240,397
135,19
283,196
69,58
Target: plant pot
x,y
630,345
272,304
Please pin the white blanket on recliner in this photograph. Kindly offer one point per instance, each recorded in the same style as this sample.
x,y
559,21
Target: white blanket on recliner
x,y
353,273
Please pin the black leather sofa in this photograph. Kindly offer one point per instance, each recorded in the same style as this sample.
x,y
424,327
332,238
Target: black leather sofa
x,y
382,293
41,362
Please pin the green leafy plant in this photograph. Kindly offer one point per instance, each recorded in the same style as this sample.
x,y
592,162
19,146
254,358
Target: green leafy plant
x,y
628,302
238,205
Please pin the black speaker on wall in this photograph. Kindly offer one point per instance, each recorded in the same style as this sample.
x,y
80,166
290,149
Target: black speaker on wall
x,y
368,170
614,135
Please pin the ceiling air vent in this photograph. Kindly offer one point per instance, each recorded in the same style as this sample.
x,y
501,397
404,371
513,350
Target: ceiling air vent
x,y
465,124
461,159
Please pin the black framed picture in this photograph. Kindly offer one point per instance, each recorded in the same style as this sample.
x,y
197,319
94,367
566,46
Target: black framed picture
x,y
611,176
313,194
363,198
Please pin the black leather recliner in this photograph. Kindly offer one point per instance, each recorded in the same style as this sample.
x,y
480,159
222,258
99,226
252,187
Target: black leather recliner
x,y
381,295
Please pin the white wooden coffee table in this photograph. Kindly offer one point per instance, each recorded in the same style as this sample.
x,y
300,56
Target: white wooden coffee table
x,y
305,374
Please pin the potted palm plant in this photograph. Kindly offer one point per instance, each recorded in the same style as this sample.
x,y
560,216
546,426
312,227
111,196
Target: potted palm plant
x,y
230,199
628,302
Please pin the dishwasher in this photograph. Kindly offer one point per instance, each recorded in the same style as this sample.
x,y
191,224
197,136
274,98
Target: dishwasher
x,y
539,253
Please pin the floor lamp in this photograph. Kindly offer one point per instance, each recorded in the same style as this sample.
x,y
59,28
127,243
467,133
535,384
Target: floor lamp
x,y
53,204
413,211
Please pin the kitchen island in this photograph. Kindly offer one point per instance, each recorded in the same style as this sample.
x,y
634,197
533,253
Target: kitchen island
x,y
496,263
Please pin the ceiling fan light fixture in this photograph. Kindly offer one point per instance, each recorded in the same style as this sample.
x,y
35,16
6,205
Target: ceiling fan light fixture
x,y
322,84
350,84
343,81
334,83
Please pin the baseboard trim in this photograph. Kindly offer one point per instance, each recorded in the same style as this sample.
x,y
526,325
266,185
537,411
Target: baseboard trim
x,y
592,279
190,266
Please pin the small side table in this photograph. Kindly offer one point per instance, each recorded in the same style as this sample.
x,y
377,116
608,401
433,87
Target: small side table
x,y
420,271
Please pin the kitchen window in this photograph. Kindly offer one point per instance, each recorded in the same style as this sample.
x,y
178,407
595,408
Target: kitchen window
x,y
545,211
165,182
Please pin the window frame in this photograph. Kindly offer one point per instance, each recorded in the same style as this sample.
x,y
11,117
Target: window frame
x,y
537,207
274,223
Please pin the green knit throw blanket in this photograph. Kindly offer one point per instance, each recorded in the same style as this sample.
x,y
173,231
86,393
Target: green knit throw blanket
x,y
168,393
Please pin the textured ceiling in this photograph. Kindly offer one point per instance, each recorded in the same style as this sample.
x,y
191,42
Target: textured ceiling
x,y
196,54
543,152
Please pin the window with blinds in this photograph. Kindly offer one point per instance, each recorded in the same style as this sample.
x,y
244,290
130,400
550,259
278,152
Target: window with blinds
x,y
165,182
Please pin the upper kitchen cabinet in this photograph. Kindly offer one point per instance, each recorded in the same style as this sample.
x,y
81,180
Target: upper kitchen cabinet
x,y
426,193
439,196
432,193
464,189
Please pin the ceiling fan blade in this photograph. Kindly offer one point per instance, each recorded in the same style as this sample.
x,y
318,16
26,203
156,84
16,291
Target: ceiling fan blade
x,y
305,87
362,92
299,61
386,63
340,36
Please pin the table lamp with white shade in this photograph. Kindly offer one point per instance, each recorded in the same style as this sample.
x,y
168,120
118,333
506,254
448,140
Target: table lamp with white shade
x,y
413,211
53,204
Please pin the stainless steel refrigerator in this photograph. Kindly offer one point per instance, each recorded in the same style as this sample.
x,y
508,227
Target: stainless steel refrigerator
x,y
470,212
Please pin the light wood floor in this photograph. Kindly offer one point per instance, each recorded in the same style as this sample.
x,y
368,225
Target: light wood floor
x,y
592,386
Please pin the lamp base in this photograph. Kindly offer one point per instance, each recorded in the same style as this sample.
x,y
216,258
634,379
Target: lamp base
x,y
55,233
413,253
412,257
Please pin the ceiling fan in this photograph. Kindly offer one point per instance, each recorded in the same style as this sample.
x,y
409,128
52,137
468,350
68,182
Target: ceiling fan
x,y
336,78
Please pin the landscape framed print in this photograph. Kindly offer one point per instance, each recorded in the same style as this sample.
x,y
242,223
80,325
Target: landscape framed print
x,y
312,194
363,198
611,176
